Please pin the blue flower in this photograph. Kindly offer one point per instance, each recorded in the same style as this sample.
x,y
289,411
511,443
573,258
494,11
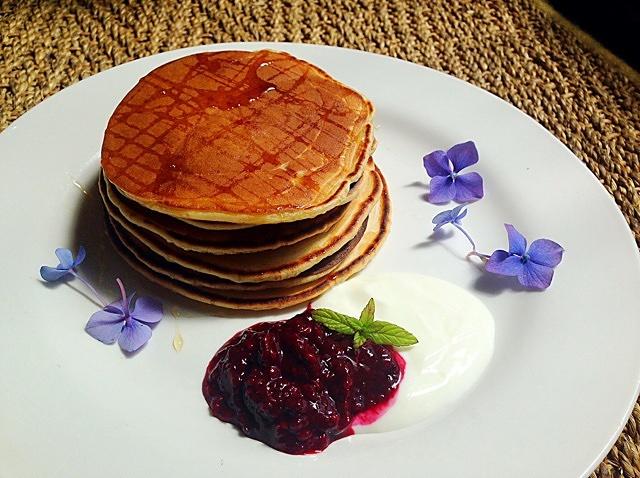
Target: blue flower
x,y
451,216
532,267
66,266
447,183
126,321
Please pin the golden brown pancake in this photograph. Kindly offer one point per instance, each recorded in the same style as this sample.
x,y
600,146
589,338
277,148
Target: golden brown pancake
x,y
214,225
278,298
158,264
254,239
225,226
282,263
242,137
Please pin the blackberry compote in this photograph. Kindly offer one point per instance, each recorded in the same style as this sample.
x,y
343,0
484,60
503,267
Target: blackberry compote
x,y
297,386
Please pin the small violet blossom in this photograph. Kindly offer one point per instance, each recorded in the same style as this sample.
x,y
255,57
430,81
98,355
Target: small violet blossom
x,y
126,321
68,267
453,217
533,267
446,181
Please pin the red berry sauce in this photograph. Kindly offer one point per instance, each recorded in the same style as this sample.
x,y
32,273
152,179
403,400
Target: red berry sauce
x,y
297,386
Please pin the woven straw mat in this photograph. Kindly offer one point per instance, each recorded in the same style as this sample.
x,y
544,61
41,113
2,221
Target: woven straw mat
x,y
518,50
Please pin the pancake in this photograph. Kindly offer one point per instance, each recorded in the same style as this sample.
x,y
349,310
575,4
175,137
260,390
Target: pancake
x,y
214,225
240,137
225,226
157,263
273,265
254,239
278,298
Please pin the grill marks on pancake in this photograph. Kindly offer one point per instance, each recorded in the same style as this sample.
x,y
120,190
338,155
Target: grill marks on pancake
x,y
157,138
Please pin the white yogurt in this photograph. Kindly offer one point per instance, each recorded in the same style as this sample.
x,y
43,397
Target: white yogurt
x,y
455,332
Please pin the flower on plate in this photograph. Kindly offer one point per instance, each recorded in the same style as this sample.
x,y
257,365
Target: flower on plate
x,y
446,181
533,267
453,217
126,321
66,266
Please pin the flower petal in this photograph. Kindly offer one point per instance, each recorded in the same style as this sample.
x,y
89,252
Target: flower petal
x,y
468,188
535,276
134,335
459,217
517,242
82,253
463,155
105,326
131,301
504,264
545,252
65,257
442,218
147,310
114,307
437,164
51,274
441,190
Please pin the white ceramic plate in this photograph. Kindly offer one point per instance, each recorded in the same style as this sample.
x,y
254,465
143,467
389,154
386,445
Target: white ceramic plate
x,y
556,395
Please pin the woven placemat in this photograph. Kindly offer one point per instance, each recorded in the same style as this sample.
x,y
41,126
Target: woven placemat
x,y
518,50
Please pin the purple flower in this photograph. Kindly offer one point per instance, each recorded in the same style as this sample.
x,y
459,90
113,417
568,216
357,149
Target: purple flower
x,y
532,267
126,321
451,216
66,266
447,183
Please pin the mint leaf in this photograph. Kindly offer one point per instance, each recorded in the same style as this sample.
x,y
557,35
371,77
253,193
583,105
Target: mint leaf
x,y
386,333
367,314
367,328
358,339
336,321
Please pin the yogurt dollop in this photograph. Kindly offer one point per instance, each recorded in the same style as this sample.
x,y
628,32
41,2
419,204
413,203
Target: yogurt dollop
x,y
455,332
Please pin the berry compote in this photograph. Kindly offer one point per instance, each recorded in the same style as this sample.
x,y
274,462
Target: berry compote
x,y
297,386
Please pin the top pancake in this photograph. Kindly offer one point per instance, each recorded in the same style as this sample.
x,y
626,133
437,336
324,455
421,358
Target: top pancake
x,y
243,137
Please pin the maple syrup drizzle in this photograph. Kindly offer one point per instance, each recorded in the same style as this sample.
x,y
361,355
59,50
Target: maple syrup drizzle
x,y
244,90
240,92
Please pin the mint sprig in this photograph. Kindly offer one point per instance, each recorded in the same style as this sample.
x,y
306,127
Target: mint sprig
x,y
365,328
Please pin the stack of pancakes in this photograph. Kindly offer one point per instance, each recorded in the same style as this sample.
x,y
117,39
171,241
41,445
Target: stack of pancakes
x,y
243,179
